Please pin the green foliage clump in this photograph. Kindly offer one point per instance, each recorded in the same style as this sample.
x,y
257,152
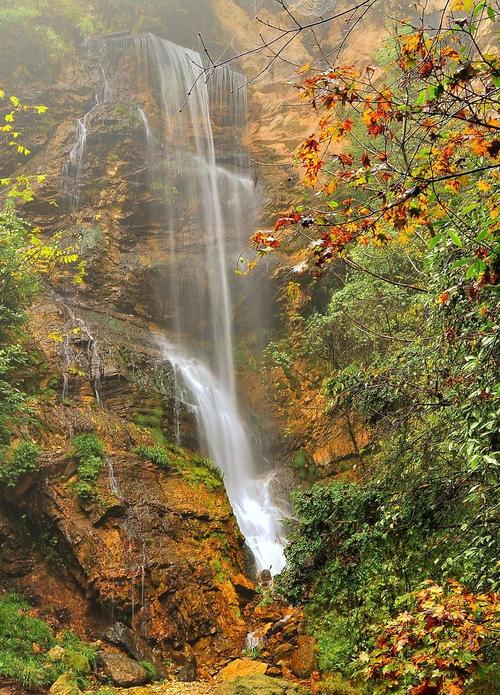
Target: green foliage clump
x,y
201,470
33,668
22,459
150,670
156,454
18,286
89,452
196,469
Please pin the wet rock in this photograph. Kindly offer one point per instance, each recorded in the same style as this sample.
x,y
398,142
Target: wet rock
x,y
259,685
266,578
242,667
65,685
274,671
279,625
245,588
304,660
136,646
283,651
189,671
122,670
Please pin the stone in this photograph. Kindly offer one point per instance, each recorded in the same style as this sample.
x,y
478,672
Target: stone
x,y
242,667
283,651
244,587
266,578
122,670
189,671
304,660
56,653
259,684
65,685
136,646
274,671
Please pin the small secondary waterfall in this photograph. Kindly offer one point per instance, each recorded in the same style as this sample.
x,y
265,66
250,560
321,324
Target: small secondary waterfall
x,y
72,172
200,171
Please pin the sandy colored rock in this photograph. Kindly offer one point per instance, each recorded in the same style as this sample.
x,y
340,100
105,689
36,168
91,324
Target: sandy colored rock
x,y
242,667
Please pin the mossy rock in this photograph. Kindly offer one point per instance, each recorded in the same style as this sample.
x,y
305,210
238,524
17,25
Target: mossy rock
x,y
65,685
77,662
259,684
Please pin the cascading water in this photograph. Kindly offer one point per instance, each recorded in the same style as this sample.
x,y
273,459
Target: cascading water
x,y
226,440
207,213
72,171
222,218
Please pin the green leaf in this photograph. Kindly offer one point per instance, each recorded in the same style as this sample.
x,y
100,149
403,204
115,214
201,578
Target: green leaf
x,y
455,238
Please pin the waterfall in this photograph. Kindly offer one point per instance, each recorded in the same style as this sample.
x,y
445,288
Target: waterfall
x,y
227,443
201,173
216,211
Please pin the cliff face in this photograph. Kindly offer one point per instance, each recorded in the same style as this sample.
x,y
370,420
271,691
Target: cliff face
x,y
157,549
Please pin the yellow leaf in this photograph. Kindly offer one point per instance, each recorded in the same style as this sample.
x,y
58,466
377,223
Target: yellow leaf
x,y
305,68
483,186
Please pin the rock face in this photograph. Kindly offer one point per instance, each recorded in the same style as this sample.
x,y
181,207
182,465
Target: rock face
x,y
123,671
136,646
159,551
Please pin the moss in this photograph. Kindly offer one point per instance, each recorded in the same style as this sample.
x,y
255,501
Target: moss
x,y
150,670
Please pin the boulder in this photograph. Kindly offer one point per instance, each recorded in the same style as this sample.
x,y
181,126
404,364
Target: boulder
x,y
259,685
304,660
283,651
122,670
136,646
241,667
188,671
65,685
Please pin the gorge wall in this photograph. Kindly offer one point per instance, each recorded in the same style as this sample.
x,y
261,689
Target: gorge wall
x,y
159,549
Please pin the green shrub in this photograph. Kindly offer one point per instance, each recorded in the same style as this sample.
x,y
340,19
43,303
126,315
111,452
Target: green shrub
x,y
22,459
156,454
89,468
87,445
89,452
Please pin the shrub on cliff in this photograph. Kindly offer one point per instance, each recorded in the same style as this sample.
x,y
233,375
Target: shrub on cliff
x,y
89,452
21,459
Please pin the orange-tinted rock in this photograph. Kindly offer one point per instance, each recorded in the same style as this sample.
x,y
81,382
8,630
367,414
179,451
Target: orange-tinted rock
x,y
241,667
304,660
123,671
